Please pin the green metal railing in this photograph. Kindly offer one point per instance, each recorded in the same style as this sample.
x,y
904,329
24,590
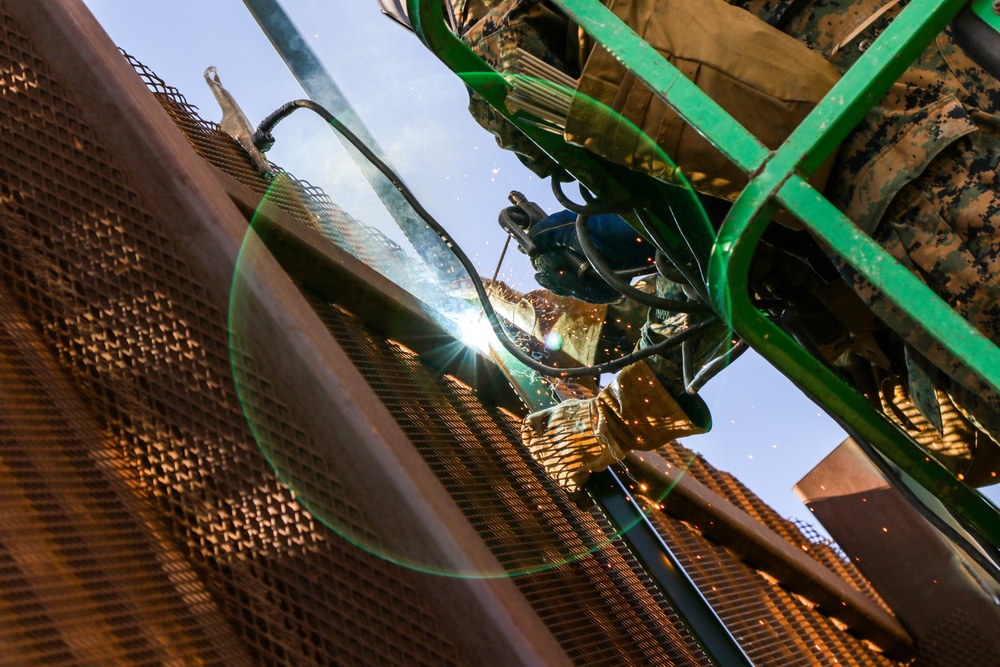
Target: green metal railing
x,y
779,179
984,9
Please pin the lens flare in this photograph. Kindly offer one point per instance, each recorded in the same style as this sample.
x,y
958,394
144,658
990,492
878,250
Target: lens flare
x,y
468,445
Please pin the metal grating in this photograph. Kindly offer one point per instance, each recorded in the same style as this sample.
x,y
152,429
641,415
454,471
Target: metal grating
x,y
312,206
299,198
122,319
86,572
773,626
601,607
471,446
798,534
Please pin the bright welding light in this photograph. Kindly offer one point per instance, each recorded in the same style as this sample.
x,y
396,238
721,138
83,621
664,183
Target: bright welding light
x,y
475,331
553,341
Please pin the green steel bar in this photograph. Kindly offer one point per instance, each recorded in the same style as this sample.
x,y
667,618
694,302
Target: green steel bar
x,y
817,137
809,145
819,134
904,289
984,9
693,105
812,142
843,236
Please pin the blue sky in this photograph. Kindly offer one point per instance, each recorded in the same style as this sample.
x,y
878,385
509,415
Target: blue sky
x,y
766,432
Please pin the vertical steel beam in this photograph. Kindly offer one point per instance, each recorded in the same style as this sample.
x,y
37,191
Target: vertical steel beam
x,y
320,86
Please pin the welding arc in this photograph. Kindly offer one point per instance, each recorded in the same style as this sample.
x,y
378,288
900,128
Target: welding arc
x,y
262,138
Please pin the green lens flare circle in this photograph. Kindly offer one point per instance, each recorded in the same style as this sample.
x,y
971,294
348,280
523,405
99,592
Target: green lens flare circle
x,y
500,516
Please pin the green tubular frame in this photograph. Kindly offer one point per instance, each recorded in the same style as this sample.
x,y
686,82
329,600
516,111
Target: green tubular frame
x,y
984,9
780,178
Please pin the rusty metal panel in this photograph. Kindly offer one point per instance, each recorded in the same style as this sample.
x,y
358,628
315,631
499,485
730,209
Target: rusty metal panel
x,y
88,571
948,605
130,348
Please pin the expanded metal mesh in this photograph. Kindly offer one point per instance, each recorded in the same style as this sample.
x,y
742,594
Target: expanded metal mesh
x,y
773,626
312,206
128,496
301,199
799,534
599,606
603,608
86,575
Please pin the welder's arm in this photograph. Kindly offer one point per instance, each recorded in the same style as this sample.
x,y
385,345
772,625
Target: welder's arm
x,y
614,238
587,333
635,412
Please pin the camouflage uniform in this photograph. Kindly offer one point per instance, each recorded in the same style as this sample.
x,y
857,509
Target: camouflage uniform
x,y
919,174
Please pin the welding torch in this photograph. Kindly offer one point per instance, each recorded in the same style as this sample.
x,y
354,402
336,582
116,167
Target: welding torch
x,y
518,219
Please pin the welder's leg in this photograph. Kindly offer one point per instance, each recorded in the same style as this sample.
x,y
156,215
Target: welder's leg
x,y
945,227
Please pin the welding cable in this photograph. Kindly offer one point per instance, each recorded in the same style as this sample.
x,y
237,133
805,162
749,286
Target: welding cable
x,y
666,269
636,206
264,140
690,278
596,260
590,208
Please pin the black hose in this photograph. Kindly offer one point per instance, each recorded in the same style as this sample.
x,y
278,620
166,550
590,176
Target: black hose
x,y
262,138
674,258
666,269
263,135
560,177
645,270
638,207
714,367
593,256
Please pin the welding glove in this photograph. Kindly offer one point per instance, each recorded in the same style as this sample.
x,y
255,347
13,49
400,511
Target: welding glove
x,y
559,323
618,243
578,437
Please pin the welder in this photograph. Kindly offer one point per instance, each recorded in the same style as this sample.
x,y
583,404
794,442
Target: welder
x,y
918,173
